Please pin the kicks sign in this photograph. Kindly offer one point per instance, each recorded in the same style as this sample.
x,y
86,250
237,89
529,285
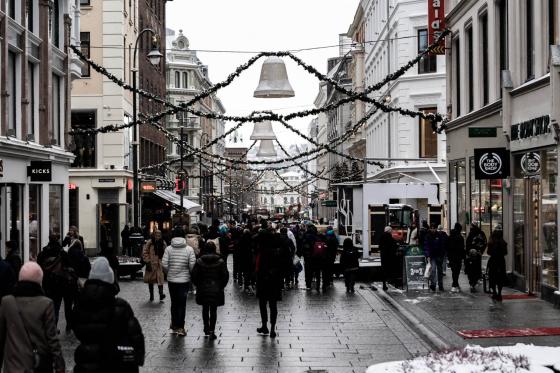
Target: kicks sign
x,y
436,24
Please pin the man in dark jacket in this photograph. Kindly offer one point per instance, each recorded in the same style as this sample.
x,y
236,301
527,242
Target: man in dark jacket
x,y
309,238
476,245
289,249
456,255
434,250
7,278
111,338
349,262
388,251
210,276
13,257
330,257
422,232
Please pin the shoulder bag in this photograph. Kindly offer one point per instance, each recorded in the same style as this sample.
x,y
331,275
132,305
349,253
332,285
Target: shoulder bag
x,y
36,355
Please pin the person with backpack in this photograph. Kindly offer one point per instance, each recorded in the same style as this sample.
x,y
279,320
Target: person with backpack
x,y
109,334
456,255
308,241
318,261
330,257
194,240
476,245
60,280
151,255
210,276
434,250
349,262
28,338
270,269
178,261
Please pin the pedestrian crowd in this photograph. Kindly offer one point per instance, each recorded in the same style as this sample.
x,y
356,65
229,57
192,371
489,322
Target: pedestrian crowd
x,y
267,260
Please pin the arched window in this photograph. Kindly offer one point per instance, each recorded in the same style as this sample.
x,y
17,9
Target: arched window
x,y
264,200
185,80
292,200
272,201
177,79
285,200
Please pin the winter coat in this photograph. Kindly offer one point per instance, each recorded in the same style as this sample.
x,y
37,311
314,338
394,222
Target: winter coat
x,y
58,279
308,241
476,240
178,260
456,247
78,259
388,249
246,257
196,242
349,259
332,248
497,263
434,246
101,323
210,276
154,269
270,266
7,279
37,312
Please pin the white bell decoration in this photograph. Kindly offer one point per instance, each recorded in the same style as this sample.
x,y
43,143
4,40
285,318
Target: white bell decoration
x,y
274,80
263,131
266,149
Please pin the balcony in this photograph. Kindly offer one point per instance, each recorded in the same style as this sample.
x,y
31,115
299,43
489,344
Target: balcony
x,y
189,123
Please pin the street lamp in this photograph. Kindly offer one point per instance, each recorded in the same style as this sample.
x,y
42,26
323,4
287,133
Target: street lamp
x,y
154,56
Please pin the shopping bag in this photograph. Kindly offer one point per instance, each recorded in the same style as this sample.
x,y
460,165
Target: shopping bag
x,y
428,270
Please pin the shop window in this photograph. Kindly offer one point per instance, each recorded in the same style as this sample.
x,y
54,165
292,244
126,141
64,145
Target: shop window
x,y
74,206
519,225
549,218
85,49
486,202
428,138
55,210
34,219
11,202
458,193
428,63
84,144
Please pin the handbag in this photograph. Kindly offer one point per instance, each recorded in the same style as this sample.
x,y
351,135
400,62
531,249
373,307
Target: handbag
x,y
428,270
36,355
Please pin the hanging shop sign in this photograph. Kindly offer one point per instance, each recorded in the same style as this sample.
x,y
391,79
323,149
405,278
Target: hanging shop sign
x,y
531,128
148,186
436,24
328,203
531,163
491,163
40,171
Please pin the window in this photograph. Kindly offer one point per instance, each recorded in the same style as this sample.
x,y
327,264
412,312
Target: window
x,y
470,76
55,23
177,79
55,210
12,93
428,139
552,21
34,220
11,11
285,200
30,16
530,42
457,75
54,133
458,193
84,144
292,200
84,2
185,80
428,63
484,51
272,201
85,49
549,214
486,202
31,106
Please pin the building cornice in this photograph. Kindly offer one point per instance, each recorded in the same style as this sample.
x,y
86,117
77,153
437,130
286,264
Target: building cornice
x,y
531,85
459,11
10,147
472,117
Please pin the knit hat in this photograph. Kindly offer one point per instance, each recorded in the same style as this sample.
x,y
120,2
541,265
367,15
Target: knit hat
x,y
31,272
440,227
388,229
100,270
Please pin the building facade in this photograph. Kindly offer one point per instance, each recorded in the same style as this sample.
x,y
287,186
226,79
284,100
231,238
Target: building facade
x,y
503,89
36,69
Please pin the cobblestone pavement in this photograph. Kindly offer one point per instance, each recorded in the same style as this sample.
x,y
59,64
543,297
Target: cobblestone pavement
x,y
334,332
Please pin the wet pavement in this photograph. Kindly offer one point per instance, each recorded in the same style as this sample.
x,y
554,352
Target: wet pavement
x,y
446,313
332,332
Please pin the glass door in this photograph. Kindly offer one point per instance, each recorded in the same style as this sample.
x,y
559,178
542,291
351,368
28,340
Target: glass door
x,y
534,257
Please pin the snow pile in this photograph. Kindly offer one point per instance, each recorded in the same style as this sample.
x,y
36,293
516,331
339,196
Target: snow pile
x,y
520,358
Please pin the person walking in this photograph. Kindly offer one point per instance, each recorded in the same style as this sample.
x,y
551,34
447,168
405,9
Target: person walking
x,y
7,279
152,255
194,240
289,248
434,250
330,257
388,252
456,255
110,336
476,244
60,280
125,240
308,242
319,261
442,234
28,340
270,268
349,262
210,276
246,260
178,261
497,249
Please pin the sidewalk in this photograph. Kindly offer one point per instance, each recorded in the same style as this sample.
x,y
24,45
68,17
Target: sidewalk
x,y
446,313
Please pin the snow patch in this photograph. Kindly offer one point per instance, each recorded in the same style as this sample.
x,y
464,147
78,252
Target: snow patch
x,y
520,358
417,300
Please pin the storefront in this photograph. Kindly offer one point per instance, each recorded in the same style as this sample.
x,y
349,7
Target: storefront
x,y
535,206
33,198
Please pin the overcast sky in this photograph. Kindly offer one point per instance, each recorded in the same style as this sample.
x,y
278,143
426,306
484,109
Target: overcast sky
x,y
263,25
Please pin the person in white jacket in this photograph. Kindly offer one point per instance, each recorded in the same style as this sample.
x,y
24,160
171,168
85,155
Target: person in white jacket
x,y
178,262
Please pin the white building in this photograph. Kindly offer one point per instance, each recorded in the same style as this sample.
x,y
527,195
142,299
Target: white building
x,y
395,32
276,196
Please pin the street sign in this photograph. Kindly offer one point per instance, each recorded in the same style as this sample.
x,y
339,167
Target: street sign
x,y
483,132
328,203
415,266
148,186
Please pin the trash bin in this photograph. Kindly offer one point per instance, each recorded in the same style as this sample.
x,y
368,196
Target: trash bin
x,y
136,242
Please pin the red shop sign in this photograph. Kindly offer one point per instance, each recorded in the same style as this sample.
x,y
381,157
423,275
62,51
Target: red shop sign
x,y
436,24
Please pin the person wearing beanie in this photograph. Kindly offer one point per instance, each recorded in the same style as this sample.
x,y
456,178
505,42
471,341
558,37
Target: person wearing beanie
x,y
101,321
330,257
178,261
27,323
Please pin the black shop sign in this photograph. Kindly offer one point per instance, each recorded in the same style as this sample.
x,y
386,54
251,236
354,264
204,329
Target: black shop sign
x,y
530,128
40,171
491,163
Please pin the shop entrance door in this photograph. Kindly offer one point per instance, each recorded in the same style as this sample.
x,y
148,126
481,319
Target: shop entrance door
x,y
533,230
112,218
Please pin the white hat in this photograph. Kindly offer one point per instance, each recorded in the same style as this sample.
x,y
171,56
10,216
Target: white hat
x,y
101,270
388,229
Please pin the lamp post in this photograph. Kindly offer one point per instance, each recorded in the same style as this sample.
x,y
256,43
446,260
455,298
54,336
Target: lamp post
x,y
200,198
154,56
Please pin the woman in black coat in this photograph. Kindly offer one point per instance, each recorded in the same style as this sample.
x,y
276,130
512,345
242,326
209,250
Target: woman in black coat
x,y
111,338
497,249
210,276
456,254
349,261
388,252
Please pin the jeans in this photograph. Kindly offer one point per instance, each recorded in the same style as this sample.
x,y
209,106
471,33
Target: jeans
x,y
455,271
437,270
68,302
273,312
209,317
178,293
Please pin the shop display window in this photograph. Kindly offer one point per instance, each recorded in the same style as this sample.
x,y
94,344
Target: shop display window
x,y
519,225
549,218
55,210
458,190
34,220
486,202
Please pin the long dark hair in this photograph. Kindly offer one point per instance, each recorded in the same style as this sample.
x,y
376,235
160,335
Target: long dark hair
x,y
159,245
347,245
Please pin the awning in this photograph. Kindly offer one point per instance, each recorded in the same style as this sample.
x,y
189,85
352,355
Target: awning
x,y
175,199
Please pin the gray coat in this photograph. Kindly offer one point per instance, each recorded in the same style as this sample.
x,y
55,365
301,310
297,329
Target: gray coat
x,y
37,311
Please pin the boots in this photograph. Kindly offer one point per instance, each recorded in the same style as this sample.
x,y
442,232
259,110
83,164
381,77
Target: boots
x,y
161,294
151,292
